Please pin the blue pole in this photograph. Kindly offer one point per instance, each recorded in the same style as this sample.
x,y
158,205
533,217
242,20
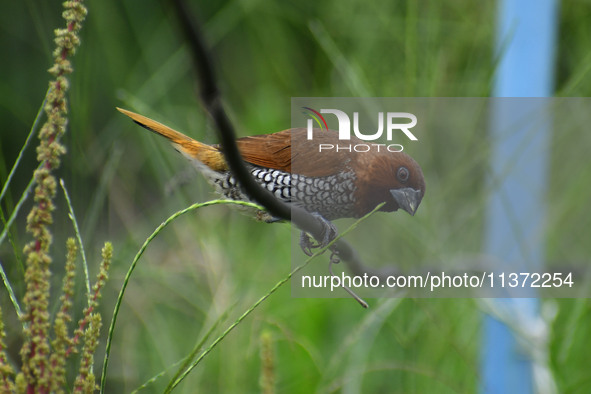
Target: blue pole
x,y
526,36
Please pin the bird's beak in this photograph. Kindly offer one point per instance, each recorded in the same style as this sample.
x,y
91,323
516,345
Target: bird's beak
x,y
407,199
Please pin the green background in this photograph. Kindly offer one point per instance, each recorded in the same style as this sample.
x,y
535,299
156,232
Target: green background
x,y
215,263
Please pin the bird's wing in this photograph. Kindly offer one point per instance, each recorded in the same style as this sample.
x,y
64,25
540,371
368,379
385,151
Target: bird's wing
x,y
290,150
267,150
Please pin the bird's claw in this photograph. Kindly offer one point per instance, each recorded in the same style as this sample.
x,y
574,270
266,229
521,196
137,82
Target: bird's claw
x,y
306,244
329,233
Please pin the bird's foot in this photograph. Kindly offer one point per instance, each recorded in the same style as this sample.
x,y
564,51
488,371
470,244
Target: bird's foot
x,y
264,216
329,233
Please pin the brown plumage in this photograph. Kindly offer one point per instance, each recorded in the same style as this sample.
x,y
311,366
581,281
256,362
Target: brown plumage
x,y
333,184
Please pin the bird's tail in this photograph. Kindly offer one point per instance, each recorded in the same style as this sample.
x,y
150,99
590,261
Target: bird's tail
x,y
192,149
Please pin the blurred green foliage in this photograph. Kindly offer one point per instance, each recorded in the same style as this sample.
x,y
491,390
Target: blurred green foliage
x,y
217,262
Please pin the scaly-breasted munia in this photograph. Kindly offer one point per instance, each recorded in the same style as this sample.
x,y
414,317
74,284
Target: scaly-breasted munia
x,y
331,184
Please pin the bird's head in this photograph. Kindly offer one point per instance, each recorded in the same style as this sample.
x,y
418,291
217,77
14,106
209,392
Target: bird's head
x,y
395,179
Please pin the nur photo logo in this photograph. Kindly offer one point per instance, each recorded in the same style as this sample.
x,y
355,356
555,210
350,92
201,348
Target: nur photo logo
x,y
395,122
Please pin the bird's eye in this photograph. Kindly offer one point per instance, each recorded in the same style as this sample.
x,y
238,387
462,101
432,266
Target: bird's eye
x,y
403,174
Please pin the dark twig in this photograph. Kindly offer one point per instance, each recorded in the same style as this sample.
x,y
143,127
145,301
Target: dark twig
x,y
334,259
210,95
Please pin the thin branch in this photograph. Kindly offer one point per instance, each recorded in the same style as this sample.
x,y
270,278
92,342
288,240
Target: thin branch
x,y
210,94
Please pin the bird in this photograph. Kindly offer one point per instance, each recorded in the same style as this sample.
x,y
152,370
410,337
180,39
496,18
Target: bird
x,y
330,184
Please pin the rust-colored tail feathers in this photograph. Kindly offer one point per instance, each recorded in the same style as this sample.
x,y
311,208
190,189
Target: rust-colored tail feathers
x,y
195,150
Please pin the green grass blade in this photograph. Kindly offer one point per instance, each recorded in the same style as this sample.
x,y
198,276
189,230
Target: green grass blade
x,y
79,238
186,361
134,264
32,132
176,382
11,219
11,294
